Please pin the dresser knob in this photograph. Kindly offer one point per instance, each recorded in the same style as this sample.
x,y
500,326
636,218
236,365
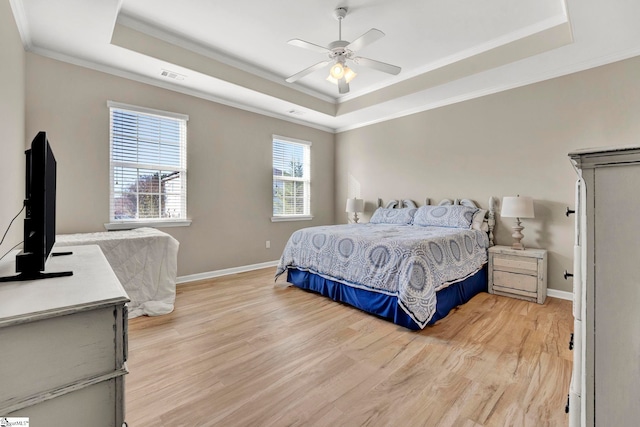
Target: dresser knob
x,y
569,211
567,275
571,342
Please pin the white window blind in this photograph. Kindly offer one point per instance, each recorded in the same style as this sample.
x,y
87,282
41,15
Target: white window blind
x,y
148,165
291,177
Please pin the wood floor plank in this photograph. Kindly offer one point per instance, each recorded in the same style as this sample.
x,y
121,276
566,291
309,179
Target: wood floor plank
x,y
239,352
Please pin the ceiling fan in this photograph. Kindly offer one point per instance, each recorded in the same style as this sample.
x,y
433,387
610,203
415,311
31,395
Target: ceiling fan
x,y
339,52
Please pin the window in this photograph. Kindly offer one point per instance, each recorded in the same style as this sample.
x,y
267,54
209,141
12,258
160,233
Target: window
x,y
291,179
148,167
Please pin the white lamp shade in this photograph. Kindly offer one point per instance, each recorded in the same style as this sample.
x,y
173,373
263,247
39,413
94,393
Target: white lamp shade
x,y
349,74
355,205
517,207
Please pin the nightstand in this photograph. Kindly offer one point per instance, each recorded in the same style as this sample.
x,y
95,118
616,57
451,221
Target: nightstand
x,y
518,274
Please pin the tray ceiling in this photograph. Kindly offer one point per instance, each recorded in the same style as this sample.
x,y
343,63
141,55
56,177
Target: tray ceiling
x,y
236,53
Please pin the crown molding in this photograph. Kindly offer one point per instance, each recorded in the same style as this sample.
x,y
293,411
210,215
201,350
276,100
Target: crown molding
x,y
560,72
172,87
505,39
183,42
585,65
20,16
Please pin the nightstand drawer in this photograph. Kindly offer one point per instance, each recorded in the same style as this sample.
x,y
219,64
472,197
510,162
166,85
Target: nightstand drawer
x,y
521,282
515,264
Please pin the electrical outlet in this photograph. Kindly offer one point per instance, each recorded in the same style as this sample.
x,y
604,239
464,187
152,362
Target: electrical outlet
x,y
268,244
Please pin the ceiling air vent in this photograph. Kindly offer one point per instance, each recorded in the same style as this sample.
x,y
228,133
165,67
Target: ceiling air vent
x,y
172,75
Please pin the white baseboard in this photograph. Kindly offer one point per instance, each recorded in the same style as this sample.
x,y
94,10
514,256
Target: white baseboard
x,y
224,272
560,294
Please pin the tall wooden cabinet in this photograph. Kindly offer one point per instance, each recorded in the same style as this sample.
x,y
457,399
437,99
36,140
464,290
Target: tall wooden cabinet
x,y
63,343
605,386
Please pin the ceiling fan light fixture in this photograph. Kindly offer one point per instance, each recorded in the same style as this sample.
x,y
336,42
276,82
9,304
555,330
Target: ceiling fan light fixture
x,y
337,71
348,75
338,52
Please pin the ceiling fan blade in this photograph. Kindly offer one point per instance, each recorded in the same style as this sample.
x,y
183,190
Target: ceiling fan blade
x,y
306,45
343,86
309,70
365,39
380,66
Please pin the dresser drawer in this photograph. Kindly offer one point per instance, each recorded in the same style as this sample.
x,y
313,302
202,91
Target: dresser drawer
x,y
50,354
95,406
516,281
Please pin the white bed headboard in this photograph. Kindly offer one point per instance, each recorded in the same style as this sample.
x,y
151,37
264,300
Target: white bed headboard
x,y
491,212
390,204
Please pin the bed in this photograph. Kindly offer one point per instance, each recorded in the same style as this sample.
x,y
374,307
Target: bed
x,y
410,265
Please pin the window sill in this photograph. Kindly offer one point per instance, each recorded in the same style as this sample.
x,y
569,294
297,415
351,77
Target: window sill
x,y
291,218
139,224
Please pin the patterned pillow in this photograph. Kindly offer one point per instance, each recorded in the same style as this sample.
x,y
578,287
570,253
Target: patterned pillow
x,y
454,216
393,216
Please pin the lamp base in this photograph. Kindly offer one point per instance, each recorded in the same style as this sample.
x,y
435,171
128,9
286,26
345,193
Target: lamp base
x,y
517,236
517,246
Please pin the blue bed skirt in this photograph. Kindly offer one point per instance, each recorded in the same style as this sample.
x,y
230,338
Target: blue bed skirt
x,y
386,306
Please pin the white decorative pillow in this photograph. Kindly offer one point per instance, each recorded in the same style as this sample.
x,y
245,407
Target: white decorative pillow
x,y
479,222
454,216
393,216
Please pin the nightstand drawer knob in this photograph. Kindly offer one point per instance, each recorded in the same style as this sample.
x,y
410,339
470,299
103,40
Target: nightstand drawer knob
x,y
569,211
567,275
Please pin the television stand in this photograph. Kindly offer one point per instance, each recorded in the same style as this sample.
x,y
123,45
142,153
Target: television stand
x,y
30,275
61,253
22,277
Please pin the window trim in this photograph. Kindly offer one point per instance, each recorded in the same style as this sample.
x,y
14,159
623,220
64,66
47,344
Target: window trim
x,y
146,110
283,218
152,222
109,226
300,217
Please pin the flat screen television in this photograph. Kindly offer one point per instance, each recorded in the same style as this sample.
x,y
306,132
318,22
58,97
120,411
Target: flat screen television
x,y
40,216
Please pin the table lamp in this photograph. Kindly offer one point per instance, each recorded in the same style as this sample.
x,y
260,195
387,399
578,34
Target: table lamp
x,y
354,206
517,207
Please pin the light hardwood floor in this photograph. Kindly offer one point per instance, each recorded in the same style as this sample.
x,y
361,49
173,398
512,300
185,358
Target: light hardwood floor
x,y
238,352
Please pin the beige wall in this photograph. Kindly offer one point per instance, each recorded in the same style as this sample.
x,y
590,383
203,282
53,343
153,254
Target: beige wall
x,y
514,142
12,125
229,164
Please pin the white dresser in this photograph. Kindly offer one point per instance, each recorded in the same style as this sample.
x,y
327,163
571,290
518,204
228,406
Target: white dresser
x,y
605,386
64,343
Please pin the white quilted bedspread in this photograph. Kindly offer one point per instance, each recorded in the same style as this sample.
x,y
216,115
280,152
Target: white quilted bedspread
x,y
145,260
